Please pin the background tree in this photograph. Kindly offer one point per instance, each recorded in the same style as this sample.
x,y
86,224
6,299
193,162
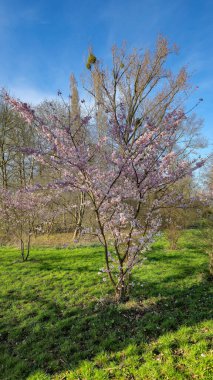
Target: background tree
x,y
65,115
16,168
79,135
26,214
175,219
207,213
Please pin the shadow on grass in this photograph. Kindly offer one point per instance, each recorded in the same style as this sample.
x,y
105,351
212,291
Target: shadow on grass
x,y
61,337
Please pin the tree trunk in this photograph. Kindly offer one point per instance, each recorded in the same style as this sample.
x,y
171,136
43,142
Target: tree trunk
x,y
79,217
122,288
28,248
22,250
25,255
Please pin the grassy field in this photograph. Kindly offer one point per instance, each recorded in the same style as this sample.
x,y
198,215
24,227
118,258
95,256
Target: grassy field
x,y
56,322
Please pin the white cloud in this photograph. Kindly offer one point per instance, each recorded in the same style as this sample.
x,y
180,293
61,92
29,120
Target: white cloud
x,y
30,95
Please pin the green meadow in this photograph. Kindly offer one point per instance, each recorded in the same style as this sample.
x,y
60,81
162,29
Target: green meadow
x,y
59,321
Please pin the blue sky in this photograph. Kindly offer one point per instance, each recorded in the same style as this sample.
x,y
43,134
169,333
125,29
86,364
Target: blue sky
x,y
43,41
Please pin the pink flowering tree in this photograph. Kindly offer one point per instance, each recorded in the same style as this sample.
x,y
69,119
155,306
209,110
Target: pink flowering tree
x,y
141,145
135,179
24,214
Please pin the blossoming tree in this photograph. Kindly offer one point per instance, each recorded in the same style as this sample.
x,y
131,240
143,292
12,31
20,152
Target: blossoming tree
x,y
23,214
128,173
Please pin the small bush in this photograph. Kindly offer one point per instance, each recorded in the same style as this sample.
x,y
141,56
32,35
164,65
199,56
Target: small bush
x,y
173,234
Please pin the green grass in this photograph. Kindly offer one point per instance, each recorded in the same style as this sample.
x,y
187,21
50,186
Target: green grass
x,y
56,322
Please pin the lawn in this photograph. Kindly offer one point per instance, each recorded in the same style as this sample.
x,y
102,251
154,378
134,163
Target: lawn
x,y
58,323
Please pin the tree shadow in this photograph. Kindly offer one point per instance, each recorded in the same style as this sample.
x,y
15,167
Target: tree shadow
x,y
59,338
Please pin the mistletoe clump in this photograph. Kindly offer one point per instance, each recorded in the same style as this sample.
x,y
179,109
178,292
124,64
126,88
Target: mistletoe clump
x,y
91,61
